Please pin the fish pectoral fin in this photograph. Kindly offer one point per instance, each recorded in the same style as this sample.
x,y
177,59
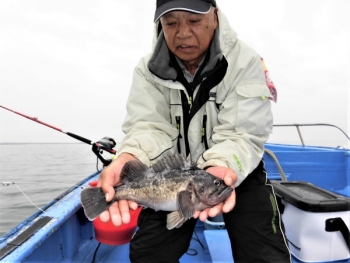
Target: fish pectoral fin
x,y
185,204
175,220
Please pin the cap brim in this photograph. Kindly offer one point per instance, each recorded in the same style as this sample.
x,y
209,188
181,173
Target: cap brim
x,y
199,7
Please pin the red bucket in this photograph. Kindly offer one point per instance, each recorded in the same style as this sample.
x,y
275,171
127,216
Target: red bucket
x,y
109,234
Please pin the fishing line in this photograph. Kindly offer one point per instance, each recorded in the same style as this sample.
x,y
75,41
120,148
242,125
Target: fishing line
x,y
193,251
8,183
94,258
30,182
97,168
198,240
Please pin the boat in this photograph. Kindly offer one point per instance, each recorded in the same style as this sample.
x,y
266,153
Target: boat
x,y
62,233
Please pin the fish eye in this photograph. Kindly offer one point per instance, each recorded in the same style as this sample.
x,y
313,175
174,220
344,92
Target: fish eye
x,y
217,182
202,188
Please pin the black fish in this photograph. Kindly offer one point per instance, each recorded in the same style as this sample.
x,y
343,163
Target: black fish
x,y
172,184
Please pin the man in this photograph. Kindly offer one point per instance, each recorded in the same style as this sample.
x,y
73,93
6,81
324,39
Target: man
x,y
203,93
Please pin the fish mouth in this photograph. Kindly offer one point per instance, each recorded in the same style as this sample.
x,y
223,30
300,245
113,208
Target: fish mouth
x,y
224,192
216,197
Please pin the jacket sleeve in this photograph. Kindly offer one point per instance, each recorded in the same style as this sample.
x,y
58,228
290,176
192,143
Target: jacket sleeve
x,y
147,125
244,121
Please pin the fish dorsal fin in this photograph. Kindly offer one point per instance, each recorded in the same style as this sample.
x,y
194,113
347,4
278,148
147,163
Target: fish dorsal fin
x,y
173,162
133,171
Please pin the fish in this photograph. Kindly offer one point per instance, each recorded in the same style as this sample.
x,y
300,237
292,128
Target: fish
x,y
174,184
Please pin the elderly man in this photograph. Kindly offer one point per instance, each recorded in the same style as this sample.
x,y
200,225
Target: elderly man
x,y
203,93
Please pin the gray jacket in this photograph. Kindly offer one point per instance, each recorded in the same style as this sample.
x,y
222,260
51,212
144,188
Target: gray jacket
x,y
223,118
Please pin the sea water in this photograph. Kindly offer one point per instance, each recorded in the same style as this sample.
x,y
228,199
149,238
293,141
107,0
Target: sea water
x,y
42,172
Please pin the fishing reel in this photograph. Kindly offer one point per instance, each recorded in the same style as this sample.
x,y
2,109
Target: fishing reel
x,y
105,144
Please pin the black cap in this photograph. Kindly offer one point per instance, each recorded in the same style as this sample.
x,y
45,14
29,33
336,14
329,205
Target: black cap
x,y
194,6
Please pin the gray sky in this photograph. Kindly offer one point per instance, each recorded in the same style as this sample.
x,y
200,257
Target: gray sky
x,y
70,63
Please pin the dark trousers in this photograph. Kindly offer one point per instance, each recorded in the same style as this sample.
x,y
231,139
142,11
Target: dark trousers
x,y
254,227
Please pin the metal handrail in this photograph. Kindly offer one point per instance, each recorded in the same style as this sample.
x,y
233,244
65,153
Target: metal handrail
x,y
310,124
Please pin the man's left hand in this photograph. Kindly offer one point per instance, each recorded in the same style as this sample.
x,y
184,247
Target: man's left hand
x,y
230,178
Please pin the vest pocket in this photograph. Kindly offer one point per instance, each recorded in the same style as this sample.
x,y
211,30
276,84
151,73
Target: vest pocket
x,y
254,109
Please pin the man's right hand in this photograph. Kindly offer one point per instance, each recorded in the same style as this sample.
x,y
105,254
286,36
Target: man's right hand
x,y
109,177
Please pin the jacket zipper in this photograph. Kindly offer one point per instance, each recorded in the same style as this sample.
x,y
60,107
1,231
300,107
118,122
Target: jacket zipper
x,y
178,126
204,132
191,106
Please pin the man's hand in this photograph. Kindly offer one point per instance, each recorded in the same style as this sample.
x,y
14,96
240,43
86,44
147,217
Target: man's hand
x,y
230,178
109,177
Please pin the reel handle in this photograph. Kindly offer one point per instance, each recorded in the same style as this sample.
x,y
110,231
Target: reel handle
x,y
105,144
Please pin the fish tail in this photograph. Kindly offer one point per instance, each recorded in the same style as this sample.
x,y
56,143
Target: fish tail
x,y
94,202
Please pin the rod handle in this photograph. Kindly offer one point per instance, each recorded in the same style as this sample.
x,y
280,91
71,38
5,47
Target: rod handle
x,y
82,139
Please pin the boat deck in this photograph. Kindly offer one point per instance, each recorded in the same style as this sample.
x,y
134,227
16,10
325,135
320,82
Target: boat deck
x,y
198,252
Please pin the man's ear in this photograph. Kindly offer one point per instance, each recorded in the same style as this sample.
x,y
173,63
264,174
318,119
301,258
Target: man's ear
x,y
159,29
216,16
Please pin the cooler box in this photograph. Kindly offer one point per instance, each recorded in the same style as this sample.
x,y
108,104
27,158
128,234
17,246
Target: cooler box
x,y
316,221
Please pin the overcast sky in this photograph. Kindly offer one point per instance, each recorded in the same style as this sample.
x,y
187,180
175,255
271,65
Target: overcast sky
x,y
70,62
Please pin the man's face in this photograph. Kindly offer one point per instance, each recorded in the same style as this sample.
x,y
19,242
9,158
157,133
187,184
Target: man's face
x,y
188,35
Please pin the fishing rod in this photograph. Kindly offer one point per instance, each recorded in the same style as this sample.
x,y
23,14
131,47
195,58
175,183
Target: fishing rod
x,y
105,144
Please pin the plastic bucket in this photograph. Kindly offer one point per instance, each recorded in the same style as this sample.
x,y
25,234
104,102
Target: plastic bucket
x,y
109,234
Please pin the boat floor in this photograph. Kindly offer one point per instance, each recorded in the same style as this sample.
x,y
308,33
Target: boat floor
x,y
208,246
196,253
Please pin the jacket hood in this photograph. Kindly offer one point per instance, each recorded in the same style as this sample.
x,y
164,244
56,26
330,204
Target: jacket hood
x,y
160,62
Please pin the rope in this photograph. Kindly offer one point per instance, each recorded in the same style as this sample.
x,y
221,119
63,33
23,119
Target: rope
x,y
274,157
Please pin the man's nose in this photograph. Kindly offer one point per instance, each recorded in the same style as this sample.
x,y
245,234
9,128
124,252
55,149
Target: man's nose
x,y
184,30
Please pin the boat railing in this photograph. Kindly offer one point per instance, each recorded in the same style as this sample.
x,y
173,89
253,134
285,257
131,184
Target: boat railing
x,y
298,125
